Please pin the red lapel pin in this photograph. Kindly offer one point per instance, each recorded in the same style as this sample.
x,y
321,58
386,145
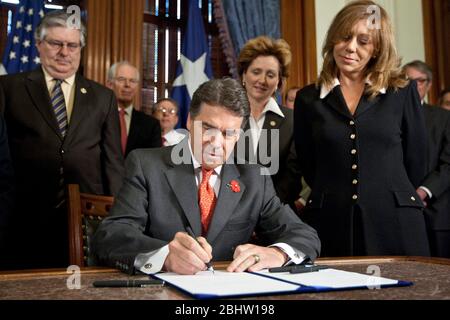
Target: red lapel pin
x,y
234,186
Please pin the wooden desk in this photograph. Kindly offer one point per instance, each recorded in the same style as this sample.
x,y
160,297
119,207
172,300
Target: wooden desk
x,y
431,279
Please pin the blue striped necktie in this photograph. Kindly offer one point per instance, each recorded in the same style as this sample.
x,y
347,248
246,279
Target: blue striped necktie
x,y
59,107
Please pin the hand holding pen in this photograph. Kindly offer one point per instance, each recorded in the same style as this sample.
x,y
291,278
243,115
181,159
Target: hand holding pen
x,y
188,254
191,233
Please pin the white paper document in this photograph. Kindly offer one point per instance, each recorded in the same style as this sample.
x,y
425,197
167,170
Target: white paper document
x,y
331,278
221,284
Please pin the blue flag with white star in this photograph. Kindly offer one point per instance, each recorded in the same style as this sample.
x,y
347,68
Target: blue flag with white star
x,y
20,54
194,66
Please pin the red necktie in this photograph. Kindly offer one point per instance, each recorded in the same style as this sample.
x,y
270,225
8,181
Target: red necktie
x,y
207,200
123,130
163,141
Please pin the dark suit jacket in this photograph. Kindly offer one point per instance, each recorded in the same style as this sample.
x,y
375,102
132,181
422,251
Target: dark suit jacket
x,y
90,154
145,132
388,164
287,180
6,184
438,177
158,199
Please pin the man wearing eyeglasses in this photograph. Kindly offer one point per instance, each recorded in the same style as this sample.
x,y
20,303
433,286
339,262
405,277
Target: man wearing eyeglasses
x,y
435,189
137,130
62,128
166,111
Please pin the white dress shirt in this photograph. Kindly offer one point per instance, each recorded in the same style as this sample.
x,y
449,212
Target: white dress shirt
x,y
173,137
152,262
256,125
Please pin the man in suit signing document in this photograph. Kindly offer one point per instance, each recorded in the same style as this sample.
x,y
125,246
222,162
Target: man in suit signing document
x,y
195,185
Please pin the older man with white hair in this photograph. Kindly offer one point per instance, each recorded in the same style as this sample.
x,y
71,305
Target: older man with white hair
x,y
137,130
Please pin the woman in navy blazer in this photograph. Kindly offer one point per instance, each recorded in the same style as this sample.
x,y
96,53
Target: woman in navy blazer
x,y
263,65
361,141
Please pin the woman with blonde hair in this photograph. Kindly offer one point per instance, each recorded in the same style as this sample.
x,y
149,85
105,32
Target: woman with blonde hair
x,y
362,140
263,65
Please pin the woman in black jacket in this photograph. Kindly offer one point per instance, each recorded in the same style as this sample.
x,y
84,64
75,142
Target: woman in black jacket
x,y
263,65
361,140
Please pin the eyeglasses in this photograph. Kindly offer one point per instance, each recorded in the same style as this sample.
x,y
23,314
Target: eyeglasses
x,y
420,81
58,45
123,80
170,112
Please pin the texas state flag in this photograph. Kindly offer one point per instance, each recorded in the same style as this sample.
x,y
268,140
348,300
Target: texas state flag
x,y
194,66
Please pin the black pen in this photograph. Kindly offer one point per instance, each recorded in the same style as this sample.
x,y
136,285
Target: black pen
x,y
294,267
306,261
127,283
191,234
284,269
288,268
306,269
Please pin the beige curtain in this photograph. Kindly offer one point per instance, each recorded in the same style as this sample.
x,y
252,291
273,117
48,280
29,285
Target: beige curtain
x,y
114,30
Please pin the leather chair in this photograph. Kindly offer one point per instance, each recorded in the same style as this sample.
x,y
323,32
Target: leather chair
x,y
85,214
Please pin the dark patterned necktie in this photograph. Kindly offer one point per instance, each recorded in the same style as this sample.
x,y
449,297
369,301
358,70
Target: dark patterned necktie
x,y
59,107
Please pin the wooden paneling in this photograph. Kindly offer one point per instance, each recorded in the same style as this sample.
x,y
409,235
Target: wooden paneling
x,y
298,28
436,21
3,23
114,33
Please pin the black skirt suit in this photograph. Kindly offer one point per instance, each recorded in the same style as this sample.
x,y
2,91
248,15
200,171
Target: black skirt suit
x,y
363,170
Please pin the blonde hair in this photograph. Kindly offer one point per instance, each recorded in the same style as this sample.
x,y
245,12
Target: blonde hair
x,y
266,46
384,69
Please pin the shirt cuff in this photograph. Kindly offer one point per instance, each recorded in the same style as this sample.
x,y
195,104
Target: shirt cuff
x,y
151,262
302,201
429,194
296,257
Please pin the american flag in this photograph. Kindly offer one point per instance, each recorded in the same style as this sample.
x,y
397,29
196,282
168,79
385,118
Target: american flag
x,y
20,54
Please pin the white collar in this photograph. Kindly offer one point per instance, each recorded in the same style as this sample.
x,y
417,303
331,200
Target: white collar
x,y
196,164
173,133
48,78
325,91
273,106
128,109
